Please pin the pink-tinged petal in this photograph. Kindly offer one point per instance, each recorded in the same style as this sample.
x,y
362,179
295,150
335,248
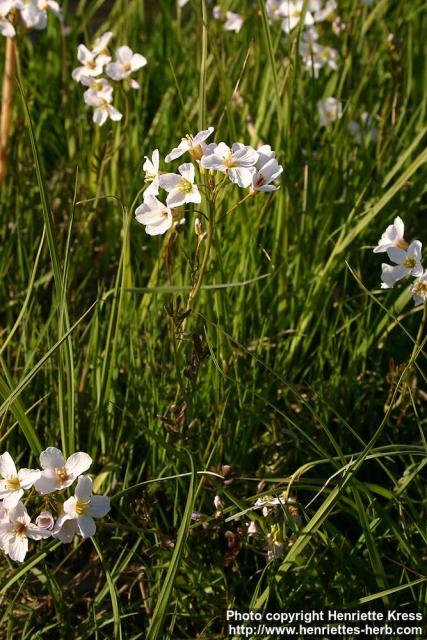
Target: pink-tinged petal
x,y
138,61
86,525
415,249
187,171
241,176
78,463
169,181
176,198
194,196
114,70
100,116
114,114
124,54
159,228
10,501
65,529
84,488
47,483
7,466
69,507
178,151
35,533
17,548
399,226
396,255
83,54
27,477
202,135
51,458
100,506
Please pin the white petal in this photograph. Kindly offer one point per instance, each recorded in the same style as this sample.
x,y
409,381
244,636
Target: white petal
x,y
399,226
7,466
138,61
86,526
115,71
17,548
194,196
178,151
241,176
169,181
84,488
78,463
65,529
100,116
83,54
100,506
27,477
415,249
187,171
35,533
69,507
114,113
51,458
396,255
176,198
47,483
202,135
10,501
124,54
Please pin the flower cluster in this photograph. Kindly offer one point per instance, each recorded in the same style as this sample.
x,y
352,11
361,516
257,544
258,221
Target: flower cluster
x,y
96,61
241,164
278,512
33,14
406,259
74,515
290,13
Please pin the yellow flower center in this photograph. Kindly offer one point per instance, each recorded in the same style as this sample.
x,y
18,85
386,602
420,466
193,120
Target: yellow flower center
x,y
82,507
19,530
127,67
91,64
13,483
196,152
185,186
410,263
61,474
420,289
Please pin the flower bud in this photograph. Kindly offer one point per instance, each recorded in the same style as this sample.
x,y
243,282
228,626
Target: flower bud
x,y
45,521
197,227
218,503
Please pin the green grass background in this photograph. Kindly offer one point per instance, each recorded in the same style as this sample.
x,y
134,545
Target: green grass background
x,y
289,360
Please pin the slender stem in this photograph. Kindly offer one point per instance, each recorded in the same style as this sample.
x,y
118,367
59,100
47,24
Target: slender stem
x,y
6,105
247,196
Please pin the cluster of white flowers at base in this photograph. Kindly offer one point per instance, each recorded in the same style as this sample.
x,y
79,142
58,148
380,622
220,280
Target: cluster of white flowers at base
x,y
94,62
241,164
33,14
74,515
406,259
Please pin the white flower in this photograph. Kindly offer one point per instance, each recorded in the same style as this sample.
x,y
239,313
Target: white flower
x,y
392,237
50,5
234,22
92,63
315,56
156,217
15,532
262,179
275,9
194,145
182,3
419,289
252,529
82,508
6,27
64,530
276,549
329,111
364,130
238,162
45,521
265,153
152,173
59,474
408,261
181,188
100,45
327,12
32,16
14,482
101,100
127,62
292,14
